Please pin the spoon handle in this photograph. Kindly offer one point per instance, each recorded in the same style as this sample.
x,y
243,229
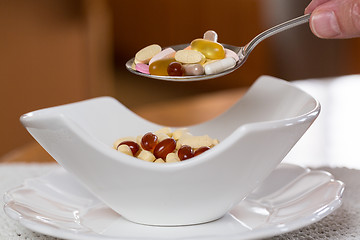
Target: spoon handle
x,y
274,30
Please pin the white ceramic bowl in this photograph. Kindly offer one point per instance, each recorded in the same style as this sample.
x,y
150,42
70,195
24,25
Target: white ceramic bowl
x,y
255,135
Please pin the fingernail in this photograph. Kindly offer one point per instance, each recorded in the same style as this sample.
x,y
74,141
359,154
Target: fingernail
x,y
325,24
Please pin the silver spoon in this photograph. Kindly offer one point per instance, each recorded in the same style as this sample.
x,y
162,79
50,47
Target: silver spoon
x,y
243,52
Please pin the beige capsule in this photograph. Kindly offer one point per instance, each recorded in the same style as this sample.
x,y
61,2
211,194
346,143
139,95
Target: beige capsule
x,y
197,141
172,157
159,160
146,156
125,149
161,136
120,140
178,133
165,130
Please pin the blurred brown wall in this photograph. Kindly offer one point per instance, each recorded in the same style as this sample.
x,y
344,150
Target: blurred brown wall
x,y
298,54
59,51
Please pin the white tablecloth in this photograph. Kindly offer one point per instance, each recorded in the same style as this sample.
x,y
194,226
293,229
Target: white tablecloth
x,y
344,223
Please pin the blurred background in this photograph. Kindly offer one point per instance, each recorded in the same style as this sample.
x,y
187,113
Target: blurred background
x,y
59,51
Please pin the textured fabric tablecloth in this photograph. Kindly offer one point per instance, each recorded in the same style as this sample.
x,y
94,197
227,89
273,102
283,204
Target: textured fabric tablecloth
x,y
344,223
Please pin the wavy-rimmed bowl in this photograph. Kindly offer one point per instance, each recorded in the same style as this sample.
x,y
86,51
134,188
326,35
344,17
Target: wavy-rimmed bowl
x,y
255,135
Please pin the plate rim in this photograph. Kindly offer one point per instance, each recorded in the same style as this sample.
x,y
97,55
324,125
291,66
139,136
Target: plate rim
x,y
267,231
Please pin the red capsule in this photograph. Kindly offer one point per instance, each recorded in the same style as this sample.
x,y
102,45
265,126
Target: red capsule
x,y
164,147
185,152
175,69
149,141
200,150
134,147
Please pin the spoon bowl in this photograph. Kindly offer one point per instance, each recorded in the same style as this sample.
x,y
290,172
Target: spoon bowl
x,y
188,78
242,52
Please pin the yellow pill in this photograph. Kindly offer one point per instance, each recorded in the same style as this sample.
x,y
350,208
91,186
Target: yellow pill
x,y
160,67
210,49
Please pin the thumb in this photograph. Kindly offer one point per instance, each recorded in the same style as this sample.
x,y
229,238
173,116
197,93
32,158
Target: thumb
x,y
336,19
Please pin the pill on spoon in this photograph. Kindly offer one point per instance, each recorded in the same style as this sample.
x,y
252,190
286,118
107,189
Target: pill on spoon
x,y
209,61
166,53
210,49
175,69
160,67
145,54
210,35
189,56
193,69
230,53
219,66
142,67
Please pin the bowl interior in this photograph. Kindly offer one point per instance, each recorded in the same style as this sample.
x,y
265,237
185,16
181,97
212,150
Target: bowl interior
x,y
269,101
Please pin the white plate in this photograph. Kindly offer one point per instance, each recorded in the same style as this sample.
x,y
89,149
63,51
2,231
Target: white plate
x,y
290,198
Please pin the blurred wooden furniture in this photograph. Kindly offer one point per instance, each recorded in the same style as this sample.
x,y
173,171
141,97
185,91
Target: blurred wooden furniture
x,y
51,52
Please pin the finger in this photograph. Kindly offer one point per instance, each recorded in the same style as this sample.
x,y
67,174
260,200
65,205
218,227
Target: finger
x,y
313,4
336,19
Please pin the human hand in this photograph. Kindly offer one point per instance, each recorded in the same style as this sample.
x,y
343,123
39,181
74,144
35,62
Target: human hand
x,y
334,18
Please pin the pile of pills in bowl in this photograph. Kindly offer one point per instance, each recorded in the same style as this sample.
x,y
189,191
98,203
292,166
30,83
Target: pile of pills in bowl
x,y
165,146
203,56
